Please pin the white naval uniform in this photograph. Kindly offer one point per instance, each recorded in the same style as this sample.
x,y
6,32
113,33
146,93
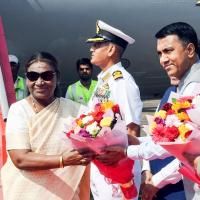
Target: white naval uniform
x,y
125,93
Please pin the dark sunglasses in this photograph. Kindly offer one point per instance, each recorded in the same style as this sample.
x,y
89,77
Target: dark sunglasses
x,y
46,76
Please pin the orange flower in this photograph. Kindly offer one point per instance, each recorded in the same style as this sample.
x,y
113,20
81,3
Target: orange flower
x,y
183,116
107,105
79,122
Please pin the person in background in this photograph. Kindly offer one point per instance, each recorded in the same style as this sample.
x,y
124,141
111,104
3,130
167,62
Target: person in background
x,y
19,82
82,90
117,85
41,163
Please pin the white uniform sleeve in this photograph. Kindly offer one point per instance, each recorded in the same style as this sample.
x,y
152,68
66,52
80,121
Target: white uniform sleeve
x,y
167,175
147,150
145,165
130,102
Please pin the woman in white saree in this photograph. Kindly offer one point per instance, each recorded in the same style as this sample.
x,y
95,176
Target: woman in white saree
x,y
41,165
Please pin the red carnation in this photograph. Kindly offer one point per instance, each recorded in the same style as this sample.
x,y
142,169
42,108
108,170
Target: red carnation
x,y
170,112
98,107
166,106
158,133
115,108
98,116
171,133
82,116
187,134
69,133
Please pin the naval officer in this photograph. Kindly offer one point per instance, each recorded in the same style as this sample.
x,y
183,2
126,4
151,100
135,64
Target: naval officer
x,y
116,84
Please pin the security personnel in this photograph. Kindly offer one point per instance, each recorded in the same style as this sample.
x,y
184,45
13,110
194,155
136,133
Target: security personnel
x,y
19,82
82,90
116,84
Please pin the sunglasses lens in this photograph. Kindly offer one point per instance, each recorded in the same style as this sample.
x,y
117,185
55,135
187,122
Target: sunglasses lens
x,y
47,76
32,76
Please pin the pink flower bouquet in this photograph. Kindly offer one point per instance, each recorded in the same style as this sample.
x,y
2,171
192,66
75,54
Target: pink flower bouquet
x,y
176,128
97,129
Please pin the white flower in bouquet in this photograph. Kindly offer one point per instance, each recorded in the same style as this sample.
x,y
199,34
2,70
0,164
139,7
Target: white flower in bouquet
x,y
87,119
77,129
109,113
189,126
93,129
172,120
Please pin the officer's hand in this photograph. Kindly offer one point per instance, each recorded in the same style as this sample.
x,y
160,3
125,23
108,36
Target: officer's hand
x,y
149,191
146,178
112,155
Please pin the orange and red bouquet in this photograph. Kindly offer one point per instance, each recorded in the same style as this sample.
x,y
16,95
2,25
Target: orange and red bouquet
x,y
89,125
172,122
176,127
101,127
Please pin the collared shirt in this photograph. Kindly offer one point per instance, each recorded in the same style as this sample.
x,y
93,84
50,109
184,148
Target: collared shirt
x,y
79,93
147,150
118,85
20,88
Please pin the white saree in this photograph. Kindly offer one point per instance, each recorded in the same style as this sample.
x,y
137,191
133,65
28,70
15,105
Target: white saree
x,y
44,137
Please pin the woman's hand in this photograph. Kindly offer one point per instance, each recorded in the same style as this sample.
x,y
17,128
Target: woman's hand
x,y
27,160
78,157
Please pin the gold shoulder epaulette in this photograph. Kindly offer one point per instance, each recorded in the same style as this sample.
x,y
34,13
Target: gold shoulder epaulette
x,y
117,74
106,77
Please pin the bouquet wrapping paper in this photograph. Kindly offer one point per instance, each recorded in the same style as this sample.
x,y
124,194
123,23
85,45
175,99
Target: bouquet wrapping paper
x,y
96,131
176,127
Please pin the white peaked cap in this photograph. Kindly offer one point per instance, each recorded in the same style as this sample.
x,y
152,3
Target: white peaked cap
x,y
105,32
115,31
13,58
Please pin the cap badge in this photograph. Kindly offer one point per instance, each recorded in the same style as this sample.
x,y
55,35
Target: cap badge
x,y
97,28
